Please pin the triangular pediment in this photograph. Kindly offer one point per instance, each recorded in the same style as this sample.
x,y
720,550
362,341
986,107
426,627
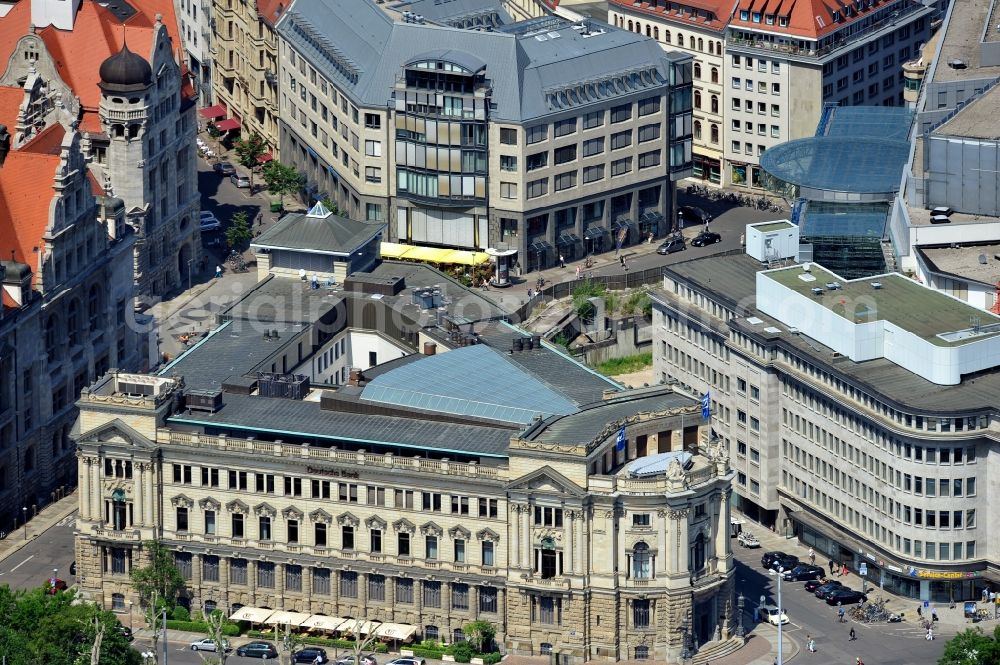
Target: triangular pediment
x,y
237,506
348,518
404,524
431,529
320,515
546,480
264,508
488,534
117,431
375,522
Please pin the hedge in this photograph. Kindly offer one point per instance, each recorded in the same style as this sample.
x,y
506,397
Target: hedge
x,y
319,641
229,629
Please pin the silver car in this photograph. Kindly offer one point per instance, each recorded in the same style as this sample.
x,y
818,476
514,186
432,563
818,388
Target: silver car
x,y
208,644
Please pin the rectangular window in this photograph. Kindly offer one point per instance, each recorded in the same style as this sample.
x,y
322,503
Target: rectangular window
x,y
642,520
265,574
649,159
536,134
319,534
508,136
375,535
648,106
431,547
182,518
293,578
403,544
373,148
404,590
564,155
348,584
621,166
459,596
459,550
564,127
649,133
237,524
210,568
432,594
508,163
640,613
621,113
488,508
621,140
210,522
488,599
264,528
347,537
376,587
565,181
488,561
508,190
537,188
594,119
593,147
593,173
293,531
321,581
237,571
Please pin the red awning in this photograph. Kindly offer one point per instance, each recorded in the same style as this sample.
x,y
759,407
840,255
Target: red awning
x,y
265,158
213,112
227,125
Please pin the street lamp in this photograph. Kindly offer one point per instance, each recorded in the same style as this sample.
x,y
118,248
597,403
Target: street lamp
x,y
740,630
148,658
130,616
24,522
55,576
781,573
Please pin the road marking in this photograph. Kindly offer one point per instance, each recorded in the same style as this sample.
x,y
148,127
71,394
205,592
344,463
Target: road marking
x,y
22,563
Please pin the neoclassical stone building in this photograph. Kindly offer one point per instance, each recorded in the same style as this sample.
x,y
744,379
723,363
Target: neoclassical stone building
x,y
593,523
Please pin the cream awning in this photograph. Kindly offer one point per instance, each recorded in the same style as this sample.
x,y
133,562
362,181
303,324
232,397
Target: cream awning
x,y
323,622
440,255
358,626
283,618
396,631
251,614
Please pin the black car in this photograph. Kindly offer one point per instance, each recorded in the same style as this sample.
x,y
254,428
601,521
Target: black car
x,y
768,557
126,632
786,562
311,655
824,589
804,572
691,215
671,245
706,238
257,650
224,169
812,585
845,597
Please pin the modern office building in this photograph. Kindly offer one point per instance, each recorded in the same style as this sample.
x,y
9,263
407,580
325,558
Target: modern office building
x,y
699,29
117,71
860,414
66,299
786,61
576,517
245,66
463,128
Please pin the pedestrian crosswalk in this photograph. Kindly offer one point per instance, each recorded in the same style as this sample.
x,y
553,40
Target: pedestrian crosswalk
x,y
67,521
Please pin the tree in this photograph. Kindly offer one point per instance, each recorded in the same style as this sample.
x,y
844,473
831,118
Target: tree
x,y
216,623
248,152
158,580
282,179
290,643
239,235
972,647
362,643
480,634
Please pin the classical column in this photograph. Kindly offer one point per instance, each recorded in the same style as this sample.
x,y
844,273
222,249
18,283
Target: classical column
x,y
582,543
722,527
138,487
147,504
252,580
570,534
515,537
96,509
307,587
196,580
664,554
363,589
681,553
224,582
526,548
85,488
474,601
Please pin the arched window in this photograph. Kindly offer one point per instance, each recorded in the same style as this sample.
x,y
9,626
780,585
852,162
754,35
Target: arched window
x,y
697,99
431,633
209,606
715,103
697,70
701,44
631,27
117,602
666,36
697,561
715,74
642,652
641,559
711,47
718,47
649,30
697,129
544,649
457,635
94,308
680,39
714,133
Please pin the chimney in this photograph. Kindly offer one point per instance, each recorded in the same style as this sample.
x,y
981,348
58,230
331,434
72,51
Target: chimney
x,y
16,281
430,348
4,143
355,378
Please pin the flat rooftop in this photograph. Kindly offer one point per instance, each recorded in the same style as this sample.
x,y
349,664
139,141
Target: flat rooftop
x,y
978,263
978,119
901,301
967,21
767,227
922,217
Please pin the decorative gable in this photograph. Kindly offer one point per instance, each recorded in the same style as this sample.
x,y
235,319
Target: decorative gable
x,y
546,480
209,503
237,506
117,432
181,500
320,515
488,534
348,519
375,522
405,525
265,508
431,529
459,532
291,513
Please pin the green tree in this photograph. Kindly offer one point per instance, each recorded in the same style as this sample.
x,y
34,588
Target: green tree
x,y
216,630
159,581
480,634
248,152
282,179
238,235
972,647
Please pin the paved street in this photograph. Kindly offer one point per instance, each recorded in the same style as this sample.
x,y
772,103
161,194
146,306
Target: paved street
x,y
878,644
32,564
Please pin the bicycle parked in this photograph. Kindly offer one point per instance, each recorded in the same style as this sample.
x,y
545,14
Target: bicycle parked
x,y
236,262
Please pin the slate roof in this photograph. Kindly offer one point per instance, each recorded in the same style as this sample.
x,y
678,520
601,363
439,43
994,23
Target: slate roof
x,y
329,235
582,426
365,49
244,414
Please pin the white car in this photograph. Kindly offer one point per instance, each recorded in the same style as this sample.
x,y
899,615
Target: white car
x,y
773,615
208,644
407,660
209,222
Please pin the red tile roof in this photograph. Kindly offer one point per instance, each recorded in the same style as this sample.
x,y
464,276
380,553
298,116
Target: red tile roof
x,y
271,10
810,19
26,191
8,302
719,9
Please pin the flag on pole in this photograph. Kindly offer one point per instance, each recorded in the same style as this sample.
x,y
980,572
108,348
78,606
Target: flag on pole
x,y
706,405
622,234
620,444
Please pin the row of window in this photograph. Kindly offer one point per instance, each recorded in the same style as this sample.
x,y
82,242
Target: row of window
x,y
568,180
747,127
696,43
592,120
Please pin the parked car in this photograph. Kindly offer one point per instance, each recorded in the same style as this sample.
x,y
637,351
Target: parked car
x,y
706,238
747,539
57,585
240,181
311,655
408,660
786,562
845,597
224,168
829,593
804,572
72,568
671,245
690,215
257,649
368,659
126,632
208,644
812,585
773,615
768,557
824,589
209,222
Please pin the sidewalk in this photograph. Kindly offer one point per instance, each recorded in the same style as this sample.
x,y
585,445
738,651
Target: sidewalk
x,y
47,517
950,620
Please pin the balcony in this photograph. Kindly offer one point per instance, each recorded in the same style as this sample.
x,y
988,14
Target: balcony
x,y
114,534
125,116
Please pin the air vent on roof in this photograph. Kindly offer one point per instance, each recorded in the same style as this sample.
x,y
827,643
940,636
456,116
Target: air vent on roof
x,y
876,285
772,330
817,291
553,35
940,219
957,64
753,320
942,210
982,259
833,285
541,38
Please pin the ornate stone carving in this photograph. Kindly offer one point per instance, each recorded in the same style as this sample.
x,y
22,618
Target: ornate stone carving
x,y
320,515
348,519
237,506
291,512
459,532
679,513
375,522
208,503
431,529
264,508
404,525
181,500
488,534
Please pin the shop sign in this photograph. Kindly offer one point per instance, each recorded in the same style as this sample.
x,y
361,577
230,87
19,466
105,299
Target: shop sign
x,y
942,574
895,569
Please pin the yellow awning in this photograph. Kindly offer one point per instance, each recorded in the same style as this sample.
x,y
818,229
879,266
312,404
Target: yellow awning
x,y
394,250
251,614
287,618
323,622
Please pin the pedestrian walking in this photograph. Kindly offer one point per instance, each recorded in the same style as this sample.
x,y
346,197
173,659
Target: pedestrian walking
x,y
843,570
930,635
218,271
621,260
832,565
934,616
812,644
858,661
812,557
840,615
530,293
578,272
562,261
920,611
852,635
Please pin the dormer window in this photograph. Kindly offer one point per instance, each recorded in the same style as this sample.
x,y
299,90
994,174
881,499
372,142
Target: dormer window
x,y
783,21
744,14
756,17
836,16
769,19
